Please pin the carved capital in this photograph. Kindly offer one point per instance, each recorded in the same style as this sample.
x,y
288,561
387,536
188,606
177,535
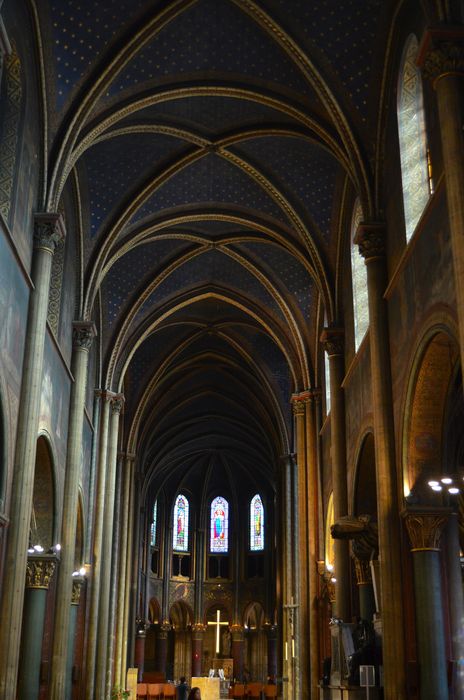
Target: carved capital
x,y
78,582
332,340
370,238
48,231
164,628
363,571
198,630
39,571
298,405
425,526
442,53
83,334
237,632
117,403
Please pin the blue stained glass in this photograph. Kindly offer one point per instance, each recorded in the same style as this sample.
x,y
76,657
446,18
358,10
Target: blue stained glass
x,y
256,524
153,525
181,524
219,525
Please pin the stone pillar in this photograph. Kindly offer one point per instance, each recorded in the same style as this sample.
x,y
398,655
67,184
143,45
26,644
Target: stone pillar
x,y
92,475
162,647
456,604
238,648
77,584
39,572
48,233
370,238
198,633
424,527
115,580
92,624
313,530
271,632
365,588
139,653
442,59
103,674
83,334
126,642
332,340
300,613
124,545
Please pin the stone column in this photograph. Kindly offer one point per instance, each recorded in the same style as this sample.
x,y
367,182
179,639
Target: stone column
x,y
271,632
332,340
424,527
124,545
115,580
300,613
198,633
92,475
370,238
48,233
126,642
442,59
92,624
456,604
103,674
238,648
83,334
77,584
139,653
313,529
39,572
365,588
162,646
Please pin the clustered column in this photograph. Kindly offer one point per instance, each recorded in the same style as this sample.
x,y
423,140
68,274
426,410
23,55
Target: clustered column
x,y
333,343
371,240
83,334
49,231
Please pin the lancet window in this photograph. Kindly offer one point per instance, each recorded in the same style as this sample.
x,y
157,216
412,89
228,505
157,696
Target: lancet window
x,y
256,524
181,524
219,540
359,282
415,167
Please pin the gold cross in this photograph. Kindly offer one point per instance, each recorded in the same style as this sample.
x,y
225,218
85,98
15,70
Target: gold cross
x,y
218,624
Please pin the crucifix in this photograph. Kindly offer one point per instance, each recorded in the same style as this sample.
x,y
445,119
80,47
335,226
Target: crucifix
x,y
218,624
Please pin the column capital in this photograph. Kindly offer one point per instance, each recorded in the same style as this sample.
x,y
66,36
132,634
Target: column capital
x,y
363,571
78,582
39,571
117,403
370,239
298,405
425,526
237,632
441,53
49,231
83,333
332,339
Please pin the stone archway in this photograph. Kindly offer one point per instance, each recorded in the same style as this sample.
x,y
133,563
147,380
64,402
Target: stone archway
x,y
255,642
180,648
154,616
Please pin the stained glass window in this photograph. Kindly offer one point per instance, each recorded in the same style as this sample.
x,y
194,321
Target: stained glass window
x,y
181,524
219,525
412,137
153,525
359,282
256,524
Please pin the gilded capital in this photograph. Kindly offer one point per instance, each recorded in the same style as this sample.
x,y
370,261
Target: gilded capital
x,y
425,527
298,405
442,53
370,238
237,632
332,340
363,571
78,582
48,231
83,334
39,571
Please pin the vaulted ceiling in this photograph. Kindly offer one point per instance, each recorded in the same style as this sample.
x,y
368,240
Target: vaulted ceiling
x,y
209,145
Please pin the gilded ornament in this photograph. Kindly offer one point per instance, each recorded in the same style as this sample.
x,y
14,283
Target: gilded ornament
x,y
39,572
76,591
425,529
445,58
370,239
363,571
48,231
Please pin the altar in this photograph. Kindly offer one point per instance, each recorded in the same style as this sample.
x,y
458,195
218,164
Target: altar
x,y
210,687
